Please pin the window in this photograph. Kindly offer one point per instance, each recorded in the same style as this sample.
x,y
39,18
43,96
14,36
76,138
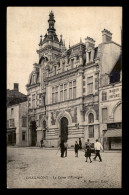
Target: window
x,y
61,95
77,58
90,85
70,90
90,118
7,123
44,124
24,121
11,122
83,83
70,93
43,100
104,115
83,90
91,131
74,92
33,101
53,98
55,69
72,61
54,94
65,94
63,66
44,134
74,89
65,91
89,56
96,83
58,64
12,111
23,136
104,96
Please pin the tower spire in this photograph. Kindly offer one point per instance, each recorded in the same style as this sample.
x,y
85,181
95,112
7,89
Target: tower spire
x,y
51,30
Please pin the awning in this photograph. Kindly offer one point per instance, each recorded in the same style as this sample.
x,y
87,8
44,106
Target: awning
x,y
113,133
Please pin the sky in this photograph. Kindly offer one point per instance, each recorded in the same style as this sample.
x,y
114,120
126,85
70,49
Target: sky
x,y
26,24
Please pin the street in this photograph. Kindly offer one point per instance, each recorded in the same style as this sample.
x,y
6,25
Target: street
x,y
44,168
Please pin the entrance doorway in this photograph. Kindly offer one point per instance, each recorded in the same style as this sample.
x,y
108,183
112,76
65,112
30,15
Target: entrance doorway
x,y
33,133
64,129
11,139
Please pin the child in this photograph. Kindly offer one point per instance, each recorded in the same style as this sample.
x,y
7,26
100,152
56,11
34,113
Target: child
x,y
76,147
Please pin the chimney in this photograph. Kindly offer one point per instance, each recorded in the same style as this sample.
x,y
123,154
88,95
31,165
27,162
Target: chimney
x,y
106,36
90,43
16,87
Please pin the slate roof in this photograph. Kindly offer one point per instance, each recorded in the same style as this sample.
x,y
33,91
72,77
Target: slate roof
x,y
15,97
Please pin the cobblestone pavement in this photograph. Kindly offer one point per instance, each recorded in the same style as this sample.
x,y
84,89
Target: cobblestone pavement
x,y
44,168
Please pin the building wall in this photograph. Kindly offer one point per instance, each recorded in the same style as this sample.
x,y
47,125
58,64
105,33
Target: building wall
x,y
114,111
23,113
57,66
108,54
15,116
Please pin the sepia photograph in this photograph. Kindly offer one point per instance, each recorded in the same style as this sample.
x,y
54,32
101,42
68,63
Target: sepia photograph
x,y
64,97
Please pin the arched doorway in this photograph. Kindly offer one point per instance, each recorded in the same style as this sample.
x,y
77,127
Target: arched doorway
x,y
33,133
64,129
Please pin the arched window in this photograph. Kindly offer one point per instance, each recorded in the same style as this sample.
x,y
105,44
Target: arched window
x,y
90,118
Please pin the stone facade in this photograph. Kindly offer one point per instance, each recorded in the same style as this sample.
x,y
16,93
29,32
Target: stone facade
x,y
63,88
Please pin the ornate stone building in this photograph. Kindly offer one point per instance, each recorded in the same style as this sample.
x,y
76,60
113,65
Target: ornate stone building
x,y
63,89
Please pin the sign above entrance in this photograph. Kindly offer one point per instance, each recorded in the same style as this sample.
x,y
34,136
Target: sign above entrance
x,y
114,93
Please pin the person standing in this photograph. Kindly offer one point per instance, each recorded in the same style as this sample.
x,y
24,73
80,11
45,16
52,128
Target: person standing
x,y
76,147
62,148
98,147
41,143
88,151
65,148
80,143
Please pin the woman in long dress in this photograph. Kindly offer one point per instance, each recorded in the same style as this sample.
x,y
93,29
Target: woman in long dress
x,y
88,151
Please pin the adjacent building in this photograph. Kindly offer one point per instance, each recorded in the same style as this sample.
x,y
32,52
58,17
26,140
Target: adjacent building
x,y
111,108
16,117
65,87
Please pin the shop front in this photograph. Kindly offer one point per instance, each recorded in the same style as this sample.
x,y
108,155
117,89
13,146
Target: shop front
x,y
11,136
113,137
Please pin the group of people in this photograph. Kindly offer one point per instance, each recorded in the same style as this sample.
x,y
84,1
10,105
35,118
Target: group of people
x,y
98,147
